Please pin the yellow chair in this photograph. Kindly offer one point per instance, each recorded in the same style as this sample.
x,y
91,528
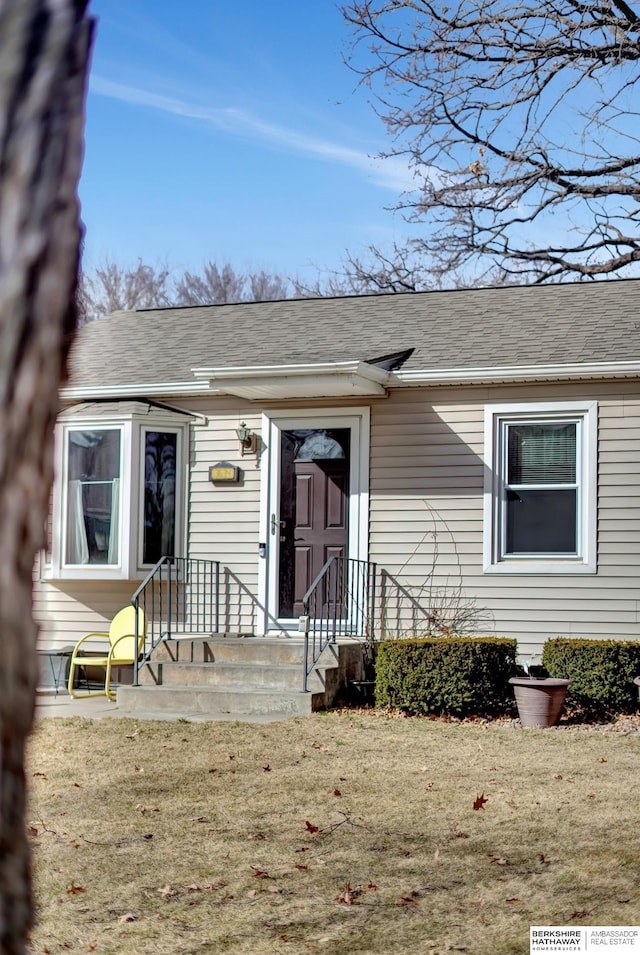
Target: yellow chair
x,y
121,638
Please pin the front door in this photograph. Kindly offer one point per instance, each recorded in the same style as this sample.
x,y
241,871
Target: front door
x,y
314,509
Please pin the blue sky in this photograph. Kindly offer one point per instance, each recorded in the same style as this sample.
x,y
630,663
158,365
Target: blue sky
x,y
231,131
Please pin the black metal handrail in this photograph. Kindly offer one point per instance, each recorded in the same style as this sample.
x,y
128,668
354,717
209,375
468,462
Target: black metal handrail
x,y
179,595
341,601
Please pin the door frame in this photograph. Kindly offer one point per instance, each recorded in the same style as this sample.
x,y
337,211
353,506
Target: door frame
x,y
357,420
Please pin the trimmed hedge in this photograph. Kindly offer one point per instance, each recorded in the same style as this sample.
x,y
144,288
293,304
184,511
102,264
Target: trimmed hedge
x,y
601,671
448,676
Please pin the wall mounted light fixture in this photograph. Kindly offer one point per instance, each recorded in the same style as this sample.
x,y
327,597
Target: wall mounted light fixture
x,y
248,439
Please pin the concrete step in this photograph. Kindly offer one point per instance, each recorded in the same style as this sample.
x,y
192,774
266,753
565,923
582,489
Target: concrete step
x,y
225,674
208,702
229,649
241,675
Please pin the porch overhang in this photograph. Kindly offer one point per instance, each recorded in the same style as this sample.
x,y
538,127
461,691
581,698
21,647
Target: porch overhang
x,y
341,379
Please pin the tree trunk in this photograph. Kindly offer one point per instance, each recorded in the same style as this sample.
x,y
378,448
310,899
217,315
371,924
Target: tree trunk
x,y
44,50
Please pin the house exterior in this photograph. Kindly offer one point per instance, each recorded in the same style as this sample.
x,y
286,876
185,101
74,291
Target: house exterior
x,y
482,447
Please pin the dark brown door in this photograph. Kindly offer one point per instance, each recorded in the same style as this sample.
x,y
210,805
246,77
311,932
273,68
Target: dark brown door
x,y
314,510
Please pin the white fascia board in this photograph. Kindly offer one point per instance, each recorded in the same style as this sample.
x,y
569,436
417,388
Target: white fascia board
x,y
80,393
514,373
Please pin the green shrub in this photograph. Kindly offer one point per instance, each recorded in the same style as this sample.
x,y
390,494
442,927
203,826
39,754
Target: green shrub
x,y
452,676
601,673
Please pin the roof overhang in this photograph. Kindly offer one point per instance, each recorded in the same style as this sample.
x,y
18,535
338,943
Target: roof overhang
x,y
345,379
340,379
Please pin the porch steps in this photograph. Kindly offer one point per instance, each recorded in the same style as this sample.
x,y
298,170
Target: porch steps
x,y
226,675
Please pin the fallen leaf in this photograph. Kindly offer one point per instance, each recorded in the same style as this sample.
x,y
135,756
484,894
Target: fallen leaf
x,y
257,837
310,827
167,891
497,859
42,775
405,900
33,831
193,888
336,792
75,889
602,760
213,770
514,899
260,873
274,890
128,917
301,867
436,856
479,801
372,886
199,819
92,944
346,896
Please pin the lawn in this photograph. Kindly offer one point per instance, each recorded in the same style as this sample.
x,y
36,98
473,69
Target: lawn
x,y
341,833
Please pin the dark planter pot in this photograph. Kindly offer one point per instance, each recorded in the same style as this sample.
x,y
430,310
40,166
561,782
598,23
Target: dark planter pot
x,y
539,702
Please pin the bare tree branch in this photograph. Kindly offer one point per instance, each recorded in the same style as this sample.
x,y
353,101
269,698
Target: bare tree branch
x,y
520,123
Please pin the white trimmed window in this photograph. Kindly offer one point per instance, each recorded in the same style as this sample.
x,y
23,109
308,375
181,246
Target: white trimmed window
x,y
540,488
119,495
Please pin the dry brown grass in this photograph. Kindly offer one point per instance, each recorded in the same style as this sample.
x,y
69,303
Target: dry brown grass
x,y
344,833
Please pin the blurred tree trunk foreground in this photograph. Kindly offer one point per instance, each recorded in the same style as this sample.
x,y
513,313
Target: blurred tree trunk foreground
x,y
44,52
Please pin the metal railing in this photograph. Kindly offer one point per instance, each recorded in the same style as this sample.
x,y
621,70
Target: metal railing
x,y
179,595
341,601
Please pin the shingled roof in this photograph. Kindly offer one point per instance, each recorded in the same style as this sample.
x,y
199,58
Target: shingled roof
x,y
511,327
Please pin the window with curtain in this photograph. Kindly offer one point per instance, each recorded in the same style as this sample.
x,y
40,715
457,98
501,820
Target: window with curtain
x,y
93,497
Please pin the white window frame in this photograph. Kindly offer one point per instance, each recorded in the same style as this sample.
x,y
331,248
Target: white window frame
x,y
585,415
180,496
132,429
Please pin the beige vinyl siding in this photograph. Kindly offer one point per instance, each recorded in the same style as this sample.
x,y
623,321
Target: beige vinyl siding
x,y
427,477
66,611
426,515
224,519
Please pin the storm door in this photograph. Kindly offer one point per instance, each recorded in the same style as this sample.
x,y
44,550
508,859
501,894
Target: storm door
x,y
314,509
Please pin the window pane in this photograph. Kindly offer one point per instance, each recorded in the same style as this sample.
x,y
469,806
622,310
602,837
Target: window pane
x,y
93,497
159,496
541,522
542,453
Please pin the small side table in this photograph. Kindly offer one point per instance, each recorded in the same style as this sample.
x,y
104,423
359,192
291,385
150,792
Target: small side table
x,y
58,657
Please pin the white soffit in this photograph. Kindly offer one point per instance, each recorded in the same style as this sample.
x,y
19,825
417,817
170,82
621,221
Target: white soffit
x,y
342,379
